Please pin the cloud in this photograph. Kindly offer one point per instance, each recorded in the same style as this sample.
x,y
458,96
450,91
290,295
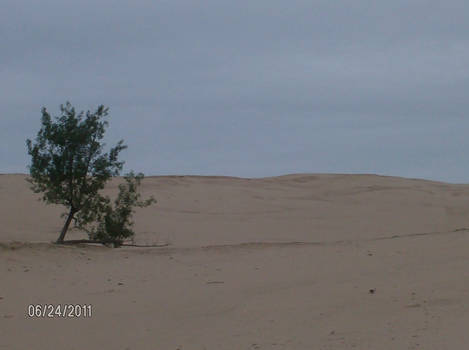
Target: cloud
x,y
247,88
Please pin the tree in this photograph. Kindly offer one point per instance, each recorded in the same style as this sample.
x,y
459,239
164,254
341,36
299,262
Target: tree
x,y
69,167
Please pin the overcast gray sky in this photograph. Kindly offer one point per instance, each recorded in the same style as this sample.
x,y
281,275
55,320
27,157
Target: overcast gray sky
x,y
247,88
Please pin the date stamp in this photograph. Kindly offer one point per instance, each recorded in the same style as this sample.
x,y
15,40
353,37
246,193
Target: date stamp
x,y
59,311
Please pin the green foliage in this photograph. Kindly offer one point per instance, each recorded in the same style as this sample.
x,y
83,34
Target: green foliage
x,y
113,223
67,161
69,167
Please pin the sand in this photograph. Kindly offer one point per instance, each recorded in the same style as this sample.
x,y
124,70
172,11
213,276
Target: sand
x,y
292,262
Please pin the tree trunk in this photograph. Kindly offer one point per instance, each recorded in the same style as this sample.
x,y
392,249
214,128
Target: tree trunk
x,y
60,240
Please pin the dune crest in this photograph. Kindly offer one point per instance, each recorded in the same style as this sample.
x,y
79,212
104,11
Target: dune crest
x,y
209,210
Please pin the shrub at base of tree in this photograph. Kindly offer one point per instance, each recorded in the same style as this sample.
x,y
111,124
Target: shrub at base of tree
x,y
113,223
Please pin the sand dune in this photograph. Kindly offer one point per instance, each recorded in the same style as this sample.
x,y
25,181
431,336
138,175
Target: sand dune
x,y
292,262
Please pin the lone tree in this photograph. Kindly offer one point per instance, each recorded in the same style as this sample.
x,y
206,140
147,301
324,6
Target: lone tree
x,y
69,167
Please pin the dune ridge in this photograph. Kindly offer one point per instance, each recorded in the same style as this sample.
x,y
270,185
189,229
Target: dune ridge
x,y
202,210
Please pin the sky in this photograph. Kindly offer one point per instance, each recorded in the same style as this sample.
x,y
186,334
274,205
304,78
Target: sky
x,y
247,88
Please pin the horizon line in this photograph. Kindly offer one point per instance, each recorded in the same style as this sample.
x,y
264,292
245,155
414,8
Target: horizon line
x,y
277,176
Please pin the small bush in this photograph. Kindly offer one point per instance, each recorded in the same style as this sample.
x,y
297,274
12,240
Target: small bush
x,y
113,222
